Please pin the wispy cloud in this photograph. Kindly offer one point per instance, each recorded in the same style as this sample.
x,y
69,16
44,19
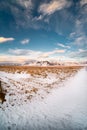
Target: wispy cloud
x,y
4,39
49,53
22,12
72,35
63,46
22,55
79,40
80,53
13,59
34,14
25,41
37,18
83,2
82,50
53,6
28,52
26,3
36,55
23,52
79,36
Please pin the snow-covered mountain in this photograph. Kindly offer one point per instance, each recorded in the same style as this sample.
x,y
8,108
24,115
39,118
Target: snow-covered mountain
x,y
44,63
49,63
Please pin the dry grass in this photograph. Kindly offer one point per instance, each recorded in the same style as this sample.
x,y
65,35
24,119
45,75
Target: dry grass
x,y
40,70
63,73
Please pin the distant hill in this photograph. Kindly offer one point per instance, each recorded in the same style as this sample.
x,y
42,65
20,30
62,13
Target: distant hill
x,y
48,63
9,64
43,63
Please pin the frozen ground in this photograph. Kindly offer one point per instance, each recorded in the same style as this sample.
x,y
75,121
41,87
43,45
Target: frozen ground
x,y
64,108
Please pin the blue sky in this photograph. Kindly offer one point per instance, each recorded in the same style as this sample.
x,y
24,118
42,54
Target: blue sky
x,y
43,30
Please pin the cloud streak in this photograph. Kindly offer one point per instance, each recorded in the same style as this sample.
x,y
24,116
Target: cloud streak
x,y
25,41
53,6
63,46
23,55
4,39
13,59
80,53
83,2
27,4
35,54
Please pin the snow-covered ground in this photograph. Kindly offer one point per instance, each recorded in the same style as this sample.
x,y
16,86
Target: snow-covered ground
x,y
22,87
64,108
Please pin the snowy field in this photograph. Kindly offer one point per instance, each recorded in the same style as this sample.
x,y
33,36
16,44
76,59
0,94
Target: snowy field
x,y
51,102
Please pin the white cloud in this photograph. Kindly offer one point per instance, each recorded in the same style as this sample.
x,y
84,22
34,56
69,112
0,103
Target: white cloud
x,y
53,6
25,41
19,56
80,53
25,3
22,55
29,52
13,59
80,41
36,55
72,35
37,18
79,37
63,46
59,51
3,39
22,12
23,52
49,53
83,2
82,50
